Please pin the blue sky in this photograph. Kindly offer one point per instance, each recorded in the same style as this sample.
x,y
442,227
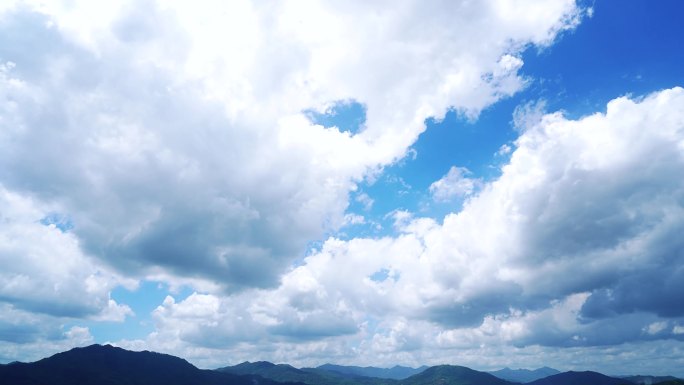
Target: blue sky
x,y
628,48
487,184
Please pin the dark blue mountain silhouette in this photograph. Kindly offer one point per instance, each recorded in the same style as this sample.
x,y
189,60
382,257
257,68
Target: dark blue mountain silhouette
x,y
108,365
524,375
580,378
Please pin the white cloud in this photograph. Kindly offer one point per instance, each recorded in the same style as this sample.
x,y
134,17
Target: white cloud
x,y
656,327
48,284
505,149
528,115
32,336
455,184
353,219
43,269
572,246
365,200
174,135
174,139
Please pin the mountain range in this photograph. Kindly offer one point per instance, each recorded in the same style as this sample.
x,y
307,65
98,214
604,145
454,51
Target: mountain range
x,y
524,375
579,378
317,376
108,365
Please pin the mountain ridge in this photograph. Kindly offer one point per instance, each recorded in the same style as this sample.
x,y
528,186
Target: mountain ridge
x,y
453,375
580,377
524,375
311,376
109,365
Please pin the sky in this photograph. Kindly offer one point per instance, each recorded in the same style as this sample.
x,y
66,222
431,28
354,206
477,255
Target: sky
x,y
482,183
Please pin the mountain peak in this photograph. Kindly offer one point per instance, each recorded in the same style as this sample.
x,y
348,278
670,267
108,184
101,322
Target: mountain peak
x,y
524,375
579,377
454,375
111,365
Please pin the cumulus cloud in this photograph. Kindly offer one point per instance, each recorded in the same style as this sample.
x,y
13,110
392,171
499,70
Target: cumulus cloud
x,y
527,115
164,141
32,336
175,137
365,200
455,184
573,246
47,283
45,272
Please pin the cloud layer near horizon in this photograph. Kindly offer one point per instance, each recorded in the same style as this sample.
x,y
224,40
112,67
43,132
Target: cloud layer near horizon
x,y
170,143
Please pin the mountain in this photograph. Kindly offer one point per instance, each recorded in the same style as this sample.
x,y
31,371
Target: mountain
x,y
524,375
310,376
453,375
274,372
397,372
580,378
108,365
267,370
325,375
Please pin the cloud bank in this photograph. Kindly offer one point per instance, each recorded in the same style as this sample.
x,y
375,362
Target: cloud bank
x,y
575,245
174,138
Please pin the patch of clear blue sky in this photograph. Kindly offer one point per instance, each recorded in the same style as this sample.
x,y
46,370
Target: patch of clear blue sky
x,y
627,47
346,115
380,275
143,300
630,47
60,221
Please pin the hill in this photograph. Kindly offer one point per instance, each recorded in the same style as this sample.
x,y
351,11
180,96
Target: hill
x,y
580,378
108,365
274,372
453,375
266,369
310,376
524,375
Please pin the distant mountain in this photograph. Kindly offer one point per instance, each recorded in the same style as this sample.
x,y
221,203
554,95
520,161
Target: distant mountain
x,y
267,370
272,371
650,380
397,372
108,365
580,378
454,375
310,376
325,375
524,375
